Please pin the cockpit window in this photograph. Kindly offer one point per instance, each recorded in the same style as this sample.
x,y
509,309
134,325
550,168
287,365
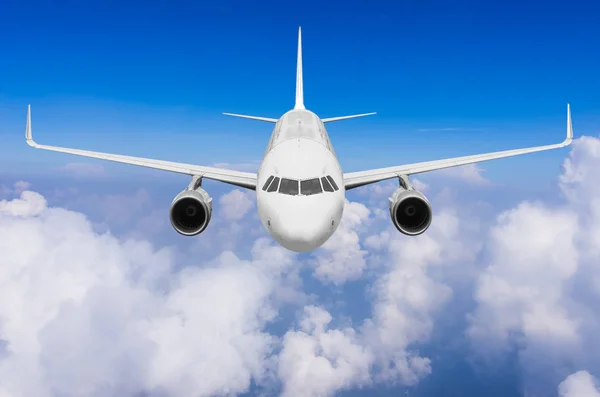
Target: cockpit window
x,y
330,179
289,186
274,185
268,182
310,186
306,187
326,185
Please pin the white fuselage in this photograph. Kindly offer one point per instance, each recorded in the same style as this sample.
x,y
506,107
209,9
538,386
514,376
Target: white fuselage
x,y
300,150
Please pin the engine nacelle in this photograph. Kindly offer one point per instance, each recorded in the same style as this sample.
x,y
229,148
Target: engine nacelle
x,y
191,211
410,211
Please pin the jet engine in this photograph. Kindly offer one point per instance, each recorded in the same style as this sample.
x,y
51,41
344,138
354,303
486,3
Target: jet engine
x,y
410,211
191,211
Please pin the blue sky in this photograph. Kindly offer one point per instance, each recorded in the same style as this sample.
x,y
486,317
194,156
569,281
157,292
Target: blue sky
x,y
446,78
151,79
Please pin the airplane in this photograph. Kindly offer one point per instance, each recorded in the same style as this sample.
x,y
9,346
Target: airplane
x,y
300,186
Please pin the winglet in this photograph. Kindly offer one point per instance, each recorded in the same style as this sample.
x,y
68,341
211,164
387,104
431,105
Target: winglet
x,y
28,136
299,84
569,126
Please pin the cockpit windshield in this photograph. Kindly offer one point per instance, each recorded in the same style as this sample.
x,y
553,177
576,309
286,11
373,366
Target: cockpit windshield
x,y
310,186
268,182
274,185
330,179
288,186
326,185
306,187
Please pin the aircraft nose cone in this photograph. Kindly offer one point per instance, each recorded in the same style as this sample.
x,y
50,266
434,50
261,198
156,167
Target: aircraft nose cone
x,y
302,230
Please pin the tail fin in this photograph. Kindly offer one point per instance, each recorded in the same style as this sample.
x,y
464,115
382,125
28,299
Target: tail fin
x,y
299,84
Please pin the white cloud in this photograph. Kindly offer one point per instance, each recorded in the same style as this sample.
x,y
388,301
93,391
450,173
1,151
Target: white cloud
x,y
83,313
341,258
236,204
419,185
470,173
30,204
378,190
533,255
316,361
579,384
577,180
540,284
78,308
407,297
21,186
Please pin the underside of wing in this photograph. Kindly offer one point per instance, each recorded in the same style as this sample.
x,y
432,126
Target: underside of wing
x,y
238,178
356,179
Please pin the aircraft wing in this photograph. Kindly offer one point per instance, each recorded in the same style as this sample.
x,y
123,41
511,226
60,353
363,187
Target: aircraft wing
x,y
356,179
238,178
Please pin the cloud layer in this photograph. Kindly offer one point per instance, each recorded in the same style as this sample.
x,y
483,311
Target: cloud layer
x,y
83,312
538,290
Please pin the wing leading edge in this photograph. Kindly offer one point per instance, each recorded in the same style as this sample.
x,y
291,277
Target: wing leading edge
x,y
356,179
238,178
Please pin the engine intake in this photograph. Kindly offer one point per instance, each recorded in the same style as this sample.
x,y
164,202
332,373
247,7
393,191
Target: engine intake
x,y
191,211
410,211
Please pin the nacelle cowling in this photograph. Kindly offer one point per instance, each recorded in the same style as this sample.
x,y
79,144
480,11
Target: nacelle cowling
x,y
191,211
410,211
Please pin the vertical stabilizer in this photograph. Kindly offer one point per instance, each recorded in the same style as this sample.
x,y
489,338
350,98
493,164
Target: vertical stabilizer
x,y
299,84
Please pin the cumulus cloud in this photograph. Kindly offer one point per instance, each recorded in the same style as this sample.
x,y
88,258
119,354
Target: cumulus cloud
x,y
233,226
320,358
538,289
408,295
78,307
30,204
81,307
375,192
317,361
236,204
83,313
341,258
533,254
419,185
579,384
21,186
470,173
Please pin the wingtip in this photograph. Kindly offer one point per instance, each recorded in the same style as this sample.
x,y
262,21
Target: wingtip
x,y
569,138
28,136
